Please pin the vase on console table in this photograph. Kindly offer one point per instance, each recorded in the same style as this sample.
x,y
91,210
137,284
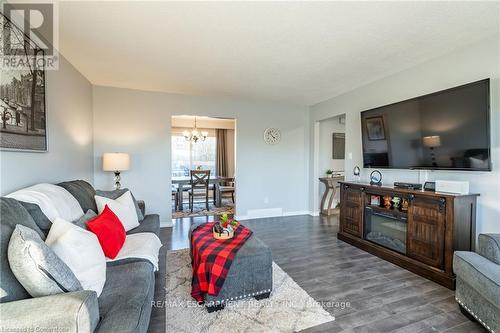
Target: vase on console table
x,y
387,201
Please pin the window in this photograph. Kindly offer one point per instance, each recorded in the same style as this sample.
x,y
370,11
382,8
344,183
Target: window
x,y
189,155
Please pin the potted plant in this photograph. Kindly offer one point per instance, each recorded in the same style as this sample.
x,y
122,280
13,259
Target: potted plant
x,y
224,229
329,173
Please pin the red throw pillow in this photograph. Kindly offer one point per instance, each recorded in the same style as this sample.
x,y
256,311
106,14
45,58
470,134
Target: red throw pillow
x,y
109,231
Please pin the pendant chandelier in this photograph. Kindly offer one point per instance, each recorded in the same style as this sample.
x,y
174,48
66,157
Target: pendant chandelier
x,y
195,135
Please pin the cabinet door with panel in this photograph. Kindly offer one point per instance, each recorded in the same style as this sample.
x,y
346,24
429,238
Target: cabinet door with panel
x,y
426,230
351,210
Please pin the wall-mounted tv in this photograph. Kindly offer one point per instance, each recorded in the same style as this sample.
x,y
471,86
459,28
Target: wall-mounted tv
x,y
445,130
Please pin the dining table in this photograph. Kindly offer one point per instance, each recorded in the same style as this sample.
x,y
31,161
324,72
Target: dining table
x,y
183,182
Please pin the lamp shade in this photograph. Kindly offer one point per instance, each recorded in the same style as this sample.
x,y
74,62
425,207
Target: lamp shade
x,y
432,141
115,162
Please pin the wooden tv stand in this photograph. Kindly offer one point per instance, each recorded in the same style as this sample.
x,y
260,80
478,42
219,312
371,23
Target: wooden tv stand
x,y
437,224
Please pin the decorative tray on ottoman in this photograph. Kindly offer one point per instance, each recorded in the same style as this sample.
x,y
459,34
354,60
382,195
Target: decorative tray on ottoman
x,y
225,228
225,234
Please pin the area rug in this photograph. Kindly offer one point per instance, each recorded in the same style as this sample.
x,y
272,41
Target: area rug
x,y
200,210
289,309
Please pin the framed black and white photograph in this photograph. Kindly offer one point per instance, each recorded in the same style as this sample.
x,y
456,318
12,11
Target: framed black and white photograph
x,y
23,114
375,128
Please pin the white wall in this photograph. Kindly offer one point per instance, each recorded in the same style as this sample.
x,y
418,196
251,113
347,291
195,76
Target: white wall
x,y
326,128
69,117
478,61
139,122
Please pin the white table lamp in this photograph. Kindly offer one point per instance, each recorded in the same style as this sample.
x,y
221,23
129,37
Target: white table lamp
x,y
116,162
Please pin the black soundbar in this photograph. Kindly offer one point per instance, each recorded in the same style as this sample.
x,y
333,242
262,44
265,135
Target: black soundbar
x,y
408,186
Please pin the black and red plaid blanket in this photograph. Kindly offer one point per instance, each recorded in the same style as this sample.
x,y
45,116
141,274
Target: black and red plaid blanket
x,y
212,259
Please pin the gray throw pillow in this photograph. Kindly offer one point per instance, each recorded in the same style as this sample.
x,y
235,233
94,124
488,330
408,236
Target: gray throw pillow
x,y
12,213
82,221
39,270
83,193
118,193
38,216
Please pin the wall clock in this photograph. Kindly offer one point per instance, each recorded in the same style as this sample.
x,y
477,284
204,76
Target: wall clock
x,y
272,136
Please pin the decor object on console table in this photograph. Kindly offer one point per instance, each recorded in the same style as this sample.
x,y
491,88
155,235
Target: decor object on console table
x,y
357,173
376,178
430,186
395,202
116,162
421,239
452,186
404,205
375,200
387,201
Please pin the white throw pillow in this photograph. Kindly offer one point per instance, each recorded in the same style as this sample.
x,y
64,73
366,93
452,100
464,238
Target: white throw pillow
x,y
81,251
54,201
123,207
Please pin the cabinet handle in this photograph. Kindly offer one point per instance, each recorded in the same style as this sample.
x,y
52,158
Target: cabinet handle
x,y
346,186
442,204
362,189
411,197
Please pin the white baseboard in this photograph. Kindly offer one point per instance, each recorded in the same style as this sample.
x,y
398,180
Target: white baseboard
x,y
166,223
266,212
300,212
269,213
314,213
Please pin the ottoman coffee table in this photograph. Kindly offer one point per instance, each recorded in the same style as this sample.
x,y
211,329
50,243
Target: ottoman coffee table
x,y
250,275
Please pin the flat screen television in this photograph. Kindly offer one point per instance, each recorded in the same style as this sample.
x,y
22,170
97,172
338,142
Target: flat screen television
x,y
445,130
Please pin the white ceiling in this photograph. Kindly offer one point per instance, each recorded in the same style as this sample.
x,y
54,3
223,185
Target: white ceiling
x,y
302,52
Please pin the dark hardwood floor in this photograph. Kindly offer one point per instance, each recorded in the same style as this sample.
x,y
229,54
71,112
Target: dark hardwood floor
x,y
363,292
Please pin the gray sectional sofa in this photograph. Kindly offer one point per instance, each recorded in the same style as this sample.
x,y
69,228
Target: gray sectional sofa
x,y
478,282
124,304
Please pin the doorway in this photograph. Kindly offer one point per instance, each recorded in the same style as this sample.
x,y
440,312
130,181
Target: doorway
x,y
203,166
329,163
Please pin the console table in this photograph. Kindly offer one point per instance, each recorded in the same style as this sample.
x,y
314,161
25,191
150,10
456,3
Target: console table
x,y
331,184
421,236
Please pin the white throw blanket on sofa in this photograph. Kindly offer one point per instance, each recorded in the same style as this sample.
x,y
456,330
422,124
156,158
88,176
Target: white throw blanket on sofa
x,y
54,201
144,245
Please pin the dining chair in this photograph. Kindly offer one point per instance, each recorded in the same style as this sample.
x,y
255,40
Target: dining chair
x,y
230,188
199,186
175,197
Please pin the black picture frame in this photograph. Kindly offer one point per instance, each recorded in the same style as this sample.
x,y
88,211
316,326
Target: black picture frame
x,y
23,105
375,129
338,146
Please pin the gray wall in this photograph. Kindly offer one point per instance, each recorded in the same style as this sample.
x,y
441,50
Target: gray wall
x,y
475,62
69,117
269,178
